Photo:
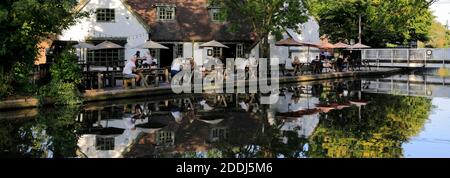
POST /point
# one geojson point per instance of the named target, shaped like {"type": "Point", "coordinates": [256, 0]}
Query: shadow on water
{"type": "Point", "coordinates": [332, 119]}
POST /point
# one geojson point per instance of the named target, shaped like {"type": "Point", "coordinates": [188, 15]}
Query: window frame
{"type": "Point", "coordinates": [213, 12]}
{"type": "Point", "coordinates": [105, 143]}
{"type": "Point", "coordinates": [105, 57]}
{"type": "Point", "coordinates": [178, 50]}
{"type": "Point", "coordinates": [240, 50]}
{"type": "Point", "coordinates": [105, 15]}
{"type": "Point", "coordinates": [165, 16]}
{"type": "Point", "coordinates": [217, 52]}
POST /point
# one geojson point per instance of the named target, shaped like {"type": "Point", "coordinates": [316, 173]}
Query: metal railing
{"type": "Point", "coordinates": [408, 85]}
{"type": "Point", "coordinates": [420, 57]}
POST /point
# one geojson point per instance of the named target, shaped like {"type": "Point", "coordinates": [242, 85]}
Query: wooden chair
{"type": "Point", "coordinates": [128, 81]}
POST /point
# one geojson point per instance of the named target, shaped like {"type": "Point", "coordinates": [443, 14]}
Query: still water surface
{"type": "Point", "coordinates": [387, 117]}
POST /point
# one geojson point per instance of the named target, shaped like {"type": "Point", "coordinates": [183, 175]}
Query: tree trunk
{"type": "Point", "coordinates": [264, 48]}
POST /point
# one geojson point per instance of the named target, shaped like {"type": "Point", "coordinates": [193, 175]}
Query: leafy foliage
{"type": "Point", "coordinates": [66, 69]}
{"type": "Point", "coordinates": [383, 21]}
{"type": "Point", "coordinates": [24, 23]}
{"type": "Point", "coordinates": [66, 76]}
{"type": "Point", "coordinates": [264, 16]}
{"type": "Point", "coordinates": [5, 85]}
{"type": "Point", "coordinates": [51, 134]}
{"type": "Point", "coordinates": [385, 124]}
{"type": "Point", "coordinates": [439, 36]}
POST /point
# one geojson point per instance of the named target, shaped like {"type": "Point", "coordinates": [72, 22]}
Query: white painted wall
{"type": "Point", "coordinates": [187, 50]}
{"type": "Point", "coordinates": [255, 51]}
{"type": "Point", "coordinates": [198, 54]}
{"type": "Point", "coordinates": [309, 33]}
{"type": "Point", "coordinates": [125, 25]}
{"type": "Point", "coordinates": [87, 143]}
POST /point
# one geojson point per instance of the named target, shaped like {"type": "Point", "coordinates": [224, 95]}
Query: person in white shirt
{"type": "Point", "coordinates": [177, 114]}
{"type": "Point", "coordinates": [130, 123]}
{"type": "Point", "coordinates": [241, 63]}
{"type": "Point", "coordinates": [241, 66]}
{"type": "Point", "coordinates": [149, 61]}
{"type": "Point", "coordinates": [282, 65]}
{"type": "Point", "coordinates": [253, 66]}
{"type": "Point", "coordinates": [176, 67]}
{"type": "Point", "coordinates": [206, 106]}
{"type": "Point", "coordinates": [129, 71]}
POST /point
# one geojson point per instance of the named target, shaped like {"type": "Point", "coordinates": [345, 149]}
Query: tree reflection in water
{"type": "Point", "coordinates": [387, 122]}
{"type": "Point", "coordinates": [50, 135]}
{"type": "Point", "coordinates": [376, 131]}
{"type": "Point", "coordinates": [236, 126]}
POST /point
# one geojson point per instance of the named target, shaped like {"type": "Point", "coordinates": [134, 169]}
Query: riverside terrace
{"type": "Point", "coordinates": [164, 88]}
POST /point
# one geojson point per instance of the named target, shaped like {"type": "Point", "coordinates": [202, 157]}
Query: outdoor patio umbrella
{"type": "Point", "coordinates": [309, 45]}
{"type": "Point", "coordinates": [151, 45]}
{"type": "Point", "coordinates": [288, 43]}
{"type": "Point", "coordinates": [212, 121]}
{"type": "Point", "coordinates": [291, 42]}
{"type": "Point", "coordinates": [83, 45]}
{"type": "Point", "coordinates": [214, 43]}
{"type": "Point", "coordinates": [150, 127]}
{"type": "Point", "coordinates": [327, 45]}
{"type": "Point", "coordinates": [83, 48]}
{"type": "Point", "coordinates": [107, 45]}
{"type": "Point", "coordinates": [341, 45]}
{"type": "Point", "coordinates": [108, 131]}
{"type": "Point", "coordinates": [358, 46]}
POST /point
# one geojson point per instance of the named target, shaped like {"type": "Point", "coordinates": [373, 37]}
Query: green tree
{"type": "Point", "coordinates": [383, 21]}
{"type": "Point", "coordinates": [439, 36]}
{"type": "Point", "coordinates": [265, 17]}
{"type": "Point", "coordinates": [24, 23]}
{"type": "Point", "coordinates": [385, 124]}
{"type": "Point", "coordinates": [50, 134]}
{"type": "Point", "coordinates": [66, 77]}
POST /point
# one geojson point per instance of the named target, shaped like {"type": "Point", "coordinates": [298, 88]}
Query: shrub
{"type": "Point", "coordinates": [66, 76]}
{"type": "Point", "coordinates": [60, 93]}
{"type": "Point", "coordinates": [66, 69]}
{"type": "Point", "coordinates": [6, 88]}
{"type": "Point", "coordinates": [21, 81]}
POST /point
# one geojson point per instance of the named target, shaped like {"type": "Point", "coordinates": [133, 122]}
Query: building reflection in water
{"type": "Point", "coordinates": [178, 126]}
{"type": "Point", "coordinates": [309, 120]}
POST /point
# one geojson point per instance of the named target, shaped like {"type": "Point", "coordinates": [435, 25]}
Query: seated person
{"type": "Point", "coordinates": [296, 64]}
{"type": "Point", "coordinates": [253, 67]}
{"type": "Point", "coordinates": [339, 64]}
{"type": "Point", "coordinates": [149, 61]}
{"type": "Point", "coordinates": [241, 66]}
{"type": "Point", "coordinates": [241, 63]}
{"type": "Point", "coordinates": [317, 65]}
{"type": "Point", "coordinates": [327, 64]}
{"type": "Point", "coordinates": [282, 66]}
{"type": "Point", "coordinates": [175, 67]}
{"type": "Point", "coordinates": [192, 63]}
{"type": "Point", "coordinates": [130, 71]}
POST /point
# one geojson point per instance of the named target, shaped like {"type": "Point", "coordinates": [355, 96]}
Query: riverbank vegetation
{"type": "Point", "coordinates": [24, 24]}
{"type": "Point", "coordinates": [384, 22]}
{"type": "Point", "coordinates": [49, 135]}
{"type": "Point", "coordinates": [439, 36]}
{"type": "Point", "coordinates": [66, 76]}
{"type": "Point", "coordinates": [265, 18]}
{"type": "Point", "coordinates": [379, 131]}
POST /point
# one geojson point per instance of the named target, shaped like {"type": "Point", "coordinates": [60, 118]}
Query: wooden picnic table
{"type": "Point", "coordinates": [153, 73]}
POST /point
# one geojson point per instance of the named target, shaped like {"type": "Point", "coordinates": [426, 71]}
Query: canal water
{"type": "Point", "coordinates": [396, 116]}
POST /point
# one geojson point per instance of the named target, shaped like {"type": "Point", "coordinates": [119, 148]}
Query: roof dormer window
{"type": "Point", "coordinates": [165, 12]}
